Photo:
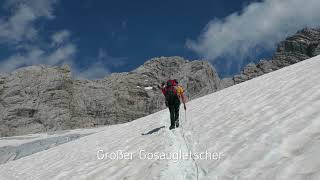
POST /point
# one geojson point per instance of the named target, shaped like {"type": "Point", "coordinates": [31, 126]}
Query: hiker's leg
{"type": "Point", "coordinates": [172, 116]}
{"type": "Point", "coordinates": [176, 113]}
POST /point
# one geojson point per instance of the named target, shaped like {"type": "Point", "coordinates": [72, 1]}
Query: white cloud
{"type": "Point", "coordinates": [36, 55]}
{"type": "Point", "coordinates": [19, 32]}
{"type": "Point", "coordinates": [101, 66]}
{"type": "Point", "coordinates": [259, 25]}
{"type": "Point", "coordinates": [62, 54]}
{"type": "Point", "coordinates": [60, 37]}
{"type": "Point", "coordinates": [19, 26]}
{"type": "Point", "coordinates": [104, 56]}
{"type": "Point", "coordinates": [40, 8]}
{"type": "Point", "coordinates": [96, 70]}
{"type": "Point", "coordinates": [124, 24]}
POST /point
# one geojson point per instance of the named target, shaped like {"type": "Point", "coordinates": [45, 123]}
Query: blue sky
{"type": "Point", "coordinates": [100, 37]}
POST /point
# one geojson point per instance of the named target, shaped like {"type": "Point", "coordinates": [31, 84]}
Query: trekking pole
{"type": "Point", "coordinates": [180, 117]}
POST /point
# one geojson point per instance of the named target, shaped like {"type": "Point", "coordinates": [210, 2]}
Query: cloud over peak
{"type": "Point", "coordinates": [259, 25]}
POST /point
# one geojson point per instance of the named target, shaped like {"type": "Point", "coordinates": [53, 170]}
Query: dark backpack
{"type": "Point", "coordinates": [172, 82]}
{"type": "Point", "coordinates": [171, 95]}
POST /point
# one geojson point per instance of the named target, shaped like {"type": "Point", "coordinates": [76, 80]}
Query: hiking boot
{"type": "Point", "coordinates": [171, 127]}
{"type": "Point", "coordinates": [177, 123]}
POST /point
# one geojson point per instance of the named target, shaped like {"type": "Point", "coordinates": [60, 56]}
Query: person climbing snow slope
{"type": "Point", "coordinates": [173, 93]}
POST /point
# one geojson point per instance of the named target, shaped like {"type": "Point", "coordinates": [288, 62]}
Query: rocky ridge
{"type": "Point", "coordinates": [41, 98]}
{"type": "Point", "coordinates": [301, 46]}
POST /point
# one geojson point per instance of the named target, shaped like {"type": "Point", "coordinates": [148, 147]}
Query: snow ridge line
{"type": "Point", "coordinates": [189, 149]}
{"type": "Point", "coordinates": [179, 168]}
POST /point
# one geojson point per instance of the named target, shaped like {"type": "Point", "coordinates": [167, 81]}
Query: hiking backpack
{"type": "Point", "coordinates": [171, 93]}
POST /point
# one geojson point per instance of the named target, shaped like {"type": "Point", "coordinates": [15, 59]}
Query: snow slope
{"type": "Point", "coordinates": [265, 128]}
{"type": "Point", "coordinates": [16, 147]}
{"type": "Point", "coordinates": [23, 139]}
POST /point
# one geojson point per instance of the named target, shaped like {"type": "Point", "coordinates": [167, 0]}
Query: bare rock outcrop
{"type": "Point", "coordinates": [41, 98]}
{"type": "Point", "coordinates": [35, 99]}
{"type": "Point", "coordinates": [122, 97]}
{"type": "Point", "coordinates": [301, 46]}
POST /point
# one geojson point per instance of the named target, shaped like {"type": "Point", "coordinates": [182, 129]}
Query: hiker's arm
{"type": "Point", "coordinates": [163, 91]}
{"type": "Point", "coordinates": [183, 98]}
{"type": "Point", "coordinates": [162, 88]}
{"type": "Point", "coordinates": [184, 102]}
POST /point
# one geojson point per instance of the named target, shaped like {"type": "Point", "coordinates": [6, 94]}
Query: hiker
{"type": "Point", "coordinates": [173, 93]}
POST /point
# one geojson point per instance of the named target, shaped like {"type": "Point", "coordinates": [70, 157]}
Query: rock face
{"type": "Point", "coordinates": [40, 98]}
{"type": "Point", "coordinates": [35, 99]}
{"type": "Point", "coordinates": [122, 97]}
{"type": "Point", "coordinates": [301, 46]}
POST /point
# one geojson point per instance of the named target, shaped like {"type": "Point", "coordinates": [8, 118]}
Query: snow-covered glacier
{"type": "Point", "coordinates": [267, 128]}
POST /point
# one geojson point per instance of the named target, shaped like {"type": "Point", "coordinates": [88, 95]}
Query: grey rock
{"type": "Point", "coordinates": [297, 48]}
{"type": "Point", "coordinates": [266, 66]}
{"type": "Point", "coordinates": [43, 99]}
{"type": "Point", "coordinates": [301, 46]}
{"type": "Point", "coordinates": [316, 50]}
{"type": "Point", "coordinates": [123, 97]}
{"type": "Point", "coordinates": [226, 82]}
{"type": "Point", "coordinates": [35, 99]}
{"type": "Point", "coordinates": [249, 72]}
